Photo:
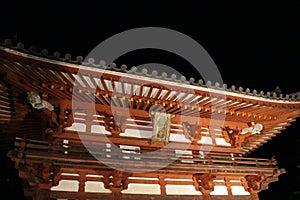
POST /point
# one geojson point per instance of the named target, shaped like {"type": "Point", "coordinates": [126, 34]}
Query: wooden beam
{"type": "Point", "coordinates": [143, 142]}
{"type": "Point", "coordinates": [106, 196]}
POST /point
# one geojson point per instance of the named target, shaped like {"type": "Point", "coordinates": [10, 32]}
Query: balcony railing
{"type": "Point", "coordinates": [103, 151]}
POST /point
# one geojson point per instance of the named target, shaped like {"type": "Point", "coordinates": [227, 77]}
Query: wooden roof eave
{"type": "Point", "coordinates": [181, 86]}
{"type": "Point", "coordinates": [261, 104]}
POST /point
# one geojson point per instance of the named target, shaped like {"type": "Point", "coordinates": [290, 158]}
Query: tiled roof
{"type": "Point", "coordinates": [90, 62]}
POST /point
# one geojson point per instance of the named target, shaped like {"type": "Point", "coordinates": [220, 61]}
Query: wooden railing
{"type": "Point", "coordinates": [109, 151]}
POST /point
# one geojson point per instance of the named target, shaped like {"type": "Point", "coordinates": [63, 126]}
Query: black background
{"type": "Point", "coordinates": [255, 45]}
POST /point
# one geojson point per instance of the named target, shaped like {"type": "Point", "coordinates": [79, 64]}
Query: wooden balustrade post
{"type": "Point", "coordinates": [206, 195]}
{"type": "Point", "coordinates": [118, 183]}
{"type": "Point", "coordinates": [162, 185]}
{"type": "Point", "coordinates": [254, 194]}
{"type": "Point", "coordinates": [228, 186]}
{"type": "Point", "coordinates": [61, 117]}
{"type": "Point", "coordinates": [82, 180]}
{"type": "Point", "coordinates": [22, 148]}
{"type": "Point", "coordinates": [89, 121]}
{"type": "Point", "coordinates": [116, 193]}
{"type": "Point", "coordinates": [204, 183]}
{"type": "Point", "coordinates": [252, 184]}
{"type": "Point", "coordinates": [41, 194]}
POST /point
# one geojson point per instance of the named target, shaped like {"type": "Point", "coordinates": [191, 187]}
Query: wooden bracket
{"type": "Point", "coordinates": [192, 132]}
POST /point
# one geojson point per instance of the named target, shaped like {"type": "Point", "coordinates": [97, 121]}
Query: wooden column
{"type": "Point", "coordinates": [61, 117]}
{"type": "Point", "coordinates": [116, 184]}
{"type": "Point", "coordinates": [70, 118]}
{"type": "Point", "coordinates": [212, 134]}
{"type": "Point", "coordinates": [252, 184]}
{"type": "Point", "coordinates": [116, 193]}
{"type": "Point", "coordinates": [42, 191]}
{"type": "Point", "coordinates": [206, 194]}
{"type": "Point", "coordinates": [82, 180]}
{"type": "Point", "coordinates": [41, 177]}
{"type": "Point", "coordinates": [41, 194]}
{"type": "Point", "coordinates": [65, 116]}
{"type": "Point", "coordinates": [254, 194]}
{"type": "Point", "coordinates": [115, 123]}
{"type": "Point", "coordinates": [228, 186]}
{"type": "Point", "coordinates": [204, 183]}
{"type": "Point", "coordinates": [162, 184]}
{"type": "Point", "coordinates": [89, 120]}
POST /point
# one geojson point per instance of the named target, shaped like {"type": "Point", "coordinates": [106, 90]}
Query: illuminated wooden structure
{"type": "Point", "coordinates": [207, 134]}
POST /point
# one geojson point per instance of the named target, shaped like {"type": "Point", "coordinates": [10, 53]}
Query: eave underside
{"type": "Point", "coordinates": [87, 90]}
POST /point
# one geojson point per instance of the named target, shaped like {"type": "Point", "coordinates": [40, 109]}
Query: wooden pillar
{"type": "Point", "coordinates": [212, 134]}
{"type": "Point", "coordinates": [82, 180]}
{"type": "Point", "coordinates": [61, 117]}
{"type": "Point", "coordinates": [118, 183]}
{"type": "Point", "coordinates": [89, 120]}
{"type": "Point", "coordinates": [254, 194]}
{"type": "Point", "coordinates": [228, 186]}
{"type": "Point", "coordinates": [21, 149]}
{"type": "Point", "coordinates": [204, 183]}
{"type": "Point", "coordinates": [116, 193]}
{"type": "Point", "coordinates": [118, 123]}
{"type": "Point", "coordinates": [41, 194]}
{"type": "Point", "coordinates": [206, 194]}
{"type": "Point", "coordinates": [115, 123]}
{"type": "Point", "coordinates": [162, 185]}
{"type": "Point", "coordinates": [252, 184]}
{"type": "Point", "coordinates": [70, 118]}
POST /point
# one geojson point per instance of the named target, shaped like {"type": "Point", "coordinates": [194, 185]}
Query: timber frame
{"type": "Point", "coordinates": [121, 99]}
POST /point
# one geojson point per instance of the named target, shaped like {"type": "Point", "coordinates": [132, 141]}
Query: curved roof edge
{"type": "Point", "coordinates": [275, 94]}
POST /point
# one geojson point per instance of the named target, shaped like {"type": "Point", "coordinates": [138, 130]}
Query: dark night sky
{"type": "Point", "coordinates": [254, 45]}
